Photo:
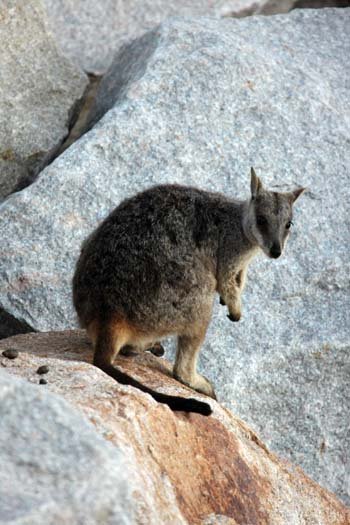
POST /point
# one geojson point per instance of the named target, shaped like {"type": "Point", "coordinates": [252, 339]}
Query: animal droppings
{"type": "Point", "coordinates": [10, 353]}
{"type": "Point", "coordinates": [42, 369]}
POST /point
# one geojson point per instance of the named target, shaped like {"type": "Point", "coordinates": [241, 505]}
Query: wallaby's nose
{"type": "Point", "coordinates": [275, 250]}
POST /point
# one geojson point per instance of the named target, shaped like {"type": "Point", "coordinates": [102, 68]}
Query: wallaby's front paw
{"type": "Point", "coordinates": [234, 317]}
{"type": "Point", "coordinates": [234, 310]}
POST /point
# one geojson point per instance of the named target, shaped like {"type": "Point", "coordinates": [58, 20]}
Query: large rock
{"type": "Point", "coordinates": [90, 32]}
{"type": "Point", "coordinates": [39, 93]}
{"type": "Point", "coordinates": [55, 469]}
{"type": "Point", "coordinates": [181, 468]}
{"type": "Point", "coordinates": [210, 99]}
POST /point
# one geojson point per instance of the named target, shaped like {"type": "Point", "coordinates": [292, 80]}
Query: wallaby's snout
{"type": "Point", "coordinates": [276, 250]}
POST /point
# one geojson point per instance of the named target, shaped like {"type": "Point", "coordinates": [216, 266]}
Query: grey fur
{"type": "Point", "coordinates": [153, 266]}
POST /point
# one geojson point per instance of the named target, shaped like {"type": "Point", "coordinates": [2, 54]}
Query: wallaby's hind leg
{"type": "Point", "coordinates": [107, 338]}
{"type": "Point", "coordinates": [185, 368]}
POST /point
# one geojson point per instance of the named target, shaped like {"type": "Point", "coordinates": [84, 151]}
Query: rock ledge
{"type": "Point", "coordinates": [173, 467]}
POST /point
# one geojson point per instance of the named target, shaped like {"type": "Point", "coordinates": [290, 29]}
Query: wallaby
{"type": "Point", "coordinates": [152, 267]}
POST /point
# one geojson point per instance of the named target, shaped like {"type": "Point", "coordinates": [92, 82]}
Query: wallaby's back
{"type": "Point", "coordinates": [148, 258]}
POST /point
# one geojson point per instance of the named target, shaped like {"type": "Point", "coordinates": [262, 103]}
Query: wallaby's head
{"type": "Point", "coordinates": [269, 218]}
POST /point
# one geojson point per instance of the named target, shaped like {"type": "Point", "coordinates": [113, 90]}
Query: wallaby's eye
{"type": "Point", "coordinates": [289, 224]}
{"type": "Point", "coordinates": [261, 220]}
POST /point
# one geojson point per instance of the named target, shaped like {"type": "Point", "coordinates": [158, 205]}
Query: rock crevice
{"type": "Point", "coordinates": [40, 94]}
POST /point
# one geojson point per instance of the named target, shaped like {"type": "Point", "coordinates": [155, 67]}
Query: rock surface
{"type": "Point", "coordinates": [180, 468]}
{"type": "Point", "coordinates": [90, 33]}
{"type": "Point", "coordinates": [39, 93]}
{"type": "Point", "coordinates": [206, 103]}
{"type": "Point", "coordinates": [55, 469]}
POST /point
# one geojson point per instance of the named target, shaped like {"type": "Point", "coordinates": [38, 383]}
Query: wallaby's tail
{"type": "Point", "coordinates": [107, 341]}
{"type": "Point", "coordinates": [175, 403]}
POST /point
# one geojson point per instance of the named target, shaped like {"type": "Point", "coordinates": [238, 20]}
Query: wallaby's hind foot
{"type": "Point", "coordinates": [202, 385]}
{"type": "Point", "coordinates": [199, 383]}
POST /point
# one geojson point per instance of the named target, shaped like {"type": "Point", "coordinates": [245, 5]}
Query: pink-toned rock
{"type": "Point", "coordinates": [185, 468]}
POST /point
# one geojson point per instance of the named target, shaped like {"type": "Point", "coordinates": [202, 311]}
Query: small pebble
{"type": "Point", "coordinates": [10, 353]}
{"type": "Point", "coordinates": [157, 350]}
{"type": "Point", "coordinates": [42, 369]}
{"type": "Point", "coordinates": [42, 381]}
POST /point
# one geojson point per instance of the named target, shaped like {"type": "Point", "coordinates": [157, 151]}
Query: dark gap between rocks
{"type": "Point", "coordinates": [79, 127]}
{"type": "Point", "coordinates": [275, 9]}
{"type": "Point", "coordinates": [9, 325]}
{"type": "Point", "coordinates": [316, 4]}
{"type": "Point", "coordinates": [77, 124]}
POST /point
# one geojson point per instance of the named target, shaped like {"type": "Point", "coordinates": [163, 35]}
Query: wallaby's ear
{"type": "Point", "coordinates": [255, 184]}
{"type": "Point", "coordinates": [293, 195]}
